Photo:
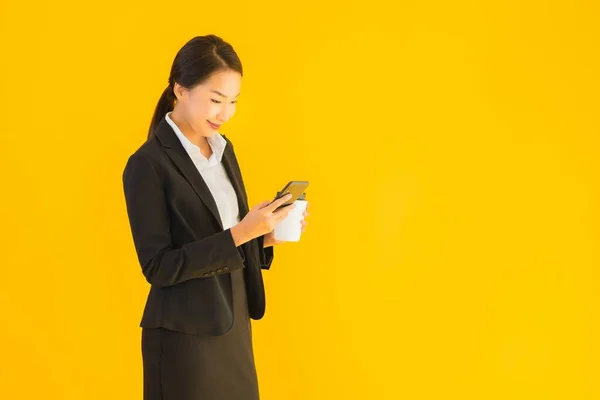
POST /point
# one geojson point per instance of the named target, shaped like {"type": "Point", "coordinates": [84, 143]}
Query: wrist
{"type": "Point", "coordinates": [239, 235]}
{"type": "Point", "coordinates": [267, 241]}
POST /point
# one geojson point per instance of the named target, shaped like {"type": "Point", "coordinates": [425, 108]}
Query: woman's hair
{"type": "Point", "coordinates": [195, 62]}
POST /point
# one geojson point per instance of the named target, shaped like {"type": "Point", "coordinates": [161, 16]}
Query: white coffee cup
{"type": "Point", "coordinates": [290, 229]}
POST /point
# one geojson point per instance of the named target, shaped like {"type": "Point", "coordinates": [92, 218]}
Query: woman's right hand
{"type": "Point", "coordinates": [260, 220]}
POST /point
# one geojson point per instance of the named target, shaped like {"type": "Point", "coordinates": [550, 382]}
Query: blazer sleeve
{"type": "Point", "coordinates": [162, 264]}
{"type": "Point", "coordinates": [265, 254]}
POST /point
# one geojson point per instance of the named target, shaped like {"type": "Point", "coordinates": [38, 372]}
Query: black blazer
{"type": "Point", "coordinates": [184, 252]}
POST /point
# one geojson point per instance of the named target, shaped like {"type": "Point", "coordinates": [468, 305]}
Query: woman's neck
{"type": "Point", "coordinates": [188, 132]}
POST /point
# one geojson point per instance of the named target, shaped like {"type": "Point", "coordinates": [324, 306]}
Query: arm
{"type": "Point", "coordinates": [163, 265]}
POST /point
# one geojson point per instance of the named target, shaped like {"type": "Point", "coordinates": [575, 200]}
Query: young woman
{"type": "Point", "coordinates": [199, 245]}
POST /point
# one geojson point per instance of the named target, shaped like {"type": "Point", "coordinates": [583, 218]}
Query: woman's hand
{"type": "Point", "coordinates": [270, 237]}
{"type": "Point", "coordinates": [260, 220]}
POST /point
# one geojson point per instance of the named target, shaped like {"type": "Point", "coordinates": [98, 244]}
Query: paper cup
{"type": "Point", "coordinates": [290, 229]}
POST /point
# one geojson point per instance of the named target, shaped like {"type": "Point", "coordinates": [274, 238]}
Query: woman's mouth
{"type": "Point", "coordinates": [215, 127]}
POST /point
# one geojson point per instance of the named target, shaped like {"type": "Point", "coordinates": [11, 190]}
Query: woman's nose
{"type": "Point", "coordinates": [225, 115]}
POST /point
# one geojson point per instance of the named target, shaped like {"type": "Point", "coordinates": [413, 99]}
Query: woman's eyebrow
{"type": "Point", "coordinates": [221, 94]}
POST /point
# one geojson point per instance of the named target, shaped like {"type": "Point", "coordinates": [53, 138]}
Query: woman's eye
{"type": "Point", "coordinates": [218, 102]}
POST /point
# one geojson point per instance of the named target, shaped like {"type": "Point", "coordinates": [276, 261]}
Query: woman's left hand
{"type": "Point", "coordinates": [270, 237]}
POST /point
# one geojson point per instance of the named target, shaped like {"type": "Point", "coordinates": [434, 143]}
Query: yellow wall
{"type": "Point", "coordinates": [453, 154]}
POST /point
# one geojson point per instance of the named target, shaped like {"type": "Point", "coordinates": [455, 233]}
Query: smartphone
{"type": "Point", "coordinates": [296, 188]}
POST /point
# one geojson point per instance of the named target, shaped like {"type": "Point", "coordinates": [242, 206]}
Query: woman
{"type": "Point", "coordinates": [199, 246]}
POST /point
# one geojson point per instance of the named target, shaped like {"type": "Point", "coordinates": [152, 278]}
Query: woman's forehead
{"type": "Point", "coordinates": [224, 84]}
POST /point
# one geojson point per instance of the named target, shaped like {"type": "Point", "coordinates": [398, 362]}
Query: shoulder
{"type": "Point", "coordinates": [149, 155]}
{"type": "Point", "coordinates": [150, 148]}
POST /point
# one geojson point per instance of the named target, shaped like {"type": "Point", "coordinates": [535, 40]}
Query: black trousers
{"type": "Point", "coordinates": [180, 366]}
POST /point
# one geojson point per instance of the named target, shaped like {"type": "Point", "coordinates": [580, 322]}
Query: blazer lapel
{"type": "Point", "coordinates": [250, 248]}
{"type": "Point", "coordinates": [235, 177]}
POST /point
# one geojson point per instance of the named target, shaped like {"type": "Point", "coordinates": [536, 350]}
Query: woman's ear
{"type": "Point", "coordinates": [179, 91]}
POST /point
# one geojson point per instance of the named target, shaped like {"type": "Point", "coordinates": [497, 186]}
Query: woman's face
{"type": "Point", "coordinates": [209, 105]}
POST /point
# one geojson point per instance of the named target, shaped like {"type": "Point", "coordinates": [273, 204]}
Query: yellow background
{"type": "Point", "coordinates": [453, 154]}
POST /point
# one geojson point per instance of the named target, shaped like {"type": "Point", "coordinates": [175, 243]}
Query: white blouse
{"type": "Point", "coordinates": [214, 174]}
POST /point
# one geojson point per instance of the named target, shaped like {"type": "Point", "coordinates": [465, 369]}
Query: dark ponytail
{"type": "Point", "coordinates": [195, 62]}
{"type": "Point", "coordinates": [165, 104]}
